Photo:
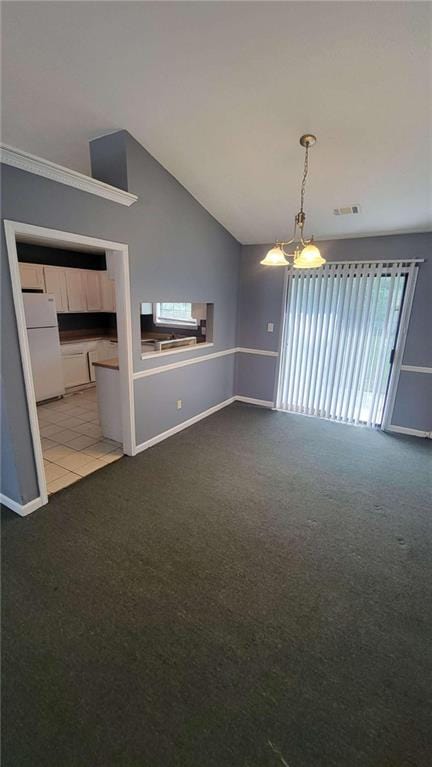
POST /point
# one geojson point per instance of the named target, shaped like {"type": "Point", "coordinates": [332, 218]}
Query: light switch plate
{"type": "Point", "coordinates": [179, 404]}
{"type": "Point", "coordinates": [270, 327]}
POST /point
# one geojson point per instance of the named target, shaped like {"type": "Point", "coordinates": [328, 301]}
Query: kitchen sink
{"type": "Point", "coordinates": [157, 345]}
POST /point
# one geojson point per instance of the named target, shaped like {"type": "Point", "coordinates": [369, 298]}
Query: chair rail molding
{"type": "Point", "coordinates": [262, 352]}
{"type": "Point", "coordinates": [194, 360]}
{"type": "Point", "coordinates": [415, 369]}
{"type": "Point", "coordinates": [17, 158]}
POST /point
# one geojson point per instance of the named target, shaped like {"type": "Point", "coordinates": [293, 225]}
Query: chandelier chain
{"type": "Point", "coordinates": [305, 175]}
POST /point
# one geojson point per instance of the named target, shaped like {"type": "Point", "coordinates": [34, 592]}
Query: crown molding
{"type": "Point", "coordinates": [17, 158]}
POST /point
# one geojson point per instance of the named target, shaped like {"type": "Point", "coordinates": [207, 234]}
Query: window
{"type": "Point", "coordinates": [174, 314]}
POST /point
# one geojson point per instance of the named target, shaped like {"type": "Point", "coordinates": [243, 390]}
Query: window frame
{"type": "Point", "coordinates": [174, 322]}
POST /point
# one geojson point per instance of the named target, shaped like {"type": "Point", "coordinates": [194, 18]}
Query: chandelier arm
{"type": "Point", "coordinates": [286, 254]}
{"type": "Point", "coordinates": [288, 242]}
{"type": "Point", "coordinates": [293, 238]}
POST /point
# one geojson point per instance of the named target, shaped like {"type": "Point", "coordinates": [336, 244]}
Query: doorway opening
{"type": "Point", "coordinates": [58, 303]}
{"type": "Point", "coordinates": [342, 343]}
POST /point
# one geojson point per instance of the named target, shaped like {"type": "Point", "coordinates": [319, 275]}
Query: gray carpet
{"type": "Point", "coordinates": [253, 592]}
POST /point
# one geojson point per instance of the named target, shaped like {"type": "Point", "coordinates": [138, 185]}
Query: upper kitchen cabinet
{"type": "Point", "coordinates": [92, 288]}
{"type": "Point", "coordinates": [74, 289]}
{"type": "Point", "coordinates": [55, 283]}
{"type": "Point", "coordinates": [32, 276]}
{"type": "Point", "coordinates": [108, 292]}
{"type": "Point", "coordinates": [76, 294]}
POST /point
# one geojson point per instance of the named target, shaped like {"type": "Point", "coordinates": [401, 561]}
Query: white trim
{"type": "Point", "coordinates": [11, 230]}
{"type": "Point", "coordinates": [358, 236]}
{"type": "Point", "coordinates": [252, 401]}
{"type": "Point", "coordinates": [17, 158]}
{"type": "Point", "coordinates": [172, 323]}
{"type": "Point", "coordinates": [399, 349]}
{"type": "Point", "coordinates": [193, 361]}
{"type": "Point", "coordinates": [193, 347]}
{"type": "Point", "coordinates": [263, 352]}
{"type": "Point", "coordinates": [118, 268]}
{"type": "Point", "coordinates": [184, 425]}
{"type": "Point", "coordinates": [281, 339]}
{"type": "Point", "coordinates": [14, 229]}
{"type": "Point", "coordinates": [44, 235]}
{"type": "Point", "coordinates": [411, 432]}
{"type": "Point", "coordinates": [383, 261]}
{"type": "Point", "coordinates": [415, 369]}
{"type": "Point", "coordinates": [19, 508]}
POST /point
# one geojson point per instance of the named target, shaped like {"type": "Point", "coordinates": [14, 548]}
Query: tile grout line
{"type": "Point", "coordinates": [64, 423]}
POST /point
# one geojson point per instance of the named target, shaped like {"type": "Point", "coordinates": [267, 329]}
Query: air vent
{"type": "Point", "coordinates": [348, 210]}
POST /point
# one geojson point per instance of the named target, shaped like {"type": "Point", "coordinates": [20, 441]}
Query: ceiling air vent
{"type": "Point", "coordinates": [348, 210]}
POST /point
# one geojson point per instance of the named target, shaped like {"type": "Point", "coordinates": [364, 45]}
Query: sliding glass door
{"type": "Point", "coordinates": [339, 337]}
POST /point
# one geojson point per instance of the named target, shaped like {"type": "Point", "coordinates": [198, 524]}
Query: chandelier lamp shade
{"type": "Point", "coordinates": [305, 253]}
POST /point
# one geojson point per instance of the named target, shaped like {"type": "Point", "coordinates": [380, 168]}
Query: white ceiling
{"type": "Point", "coordinates": [219, 93]}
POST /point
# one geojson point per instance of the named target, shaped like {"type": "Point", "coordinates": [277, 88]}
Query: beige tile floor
{"type": "Point", "coordinates": [72, 441]}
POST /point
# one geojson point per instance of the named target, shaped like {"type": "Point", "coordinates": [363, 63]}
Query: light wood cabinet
{"type": "Point", "coordinates": [75, 368]}
{"type": "Point", "coordinates": [92, 287]}
{"type": "Point", "coordinates": [108, 292]}
{"type": "Point", "coordinates": [55, 283]}
{"type": "Point", "coordinates": [32, 276]}
{"type": "Point", "coordinates": [75, 286]}
{"type": "Point", "coordinates": [75, 290]}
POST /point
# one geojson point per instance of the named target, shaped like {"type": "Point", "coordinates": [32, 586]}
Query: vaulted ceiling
{"type": "Point", "coordinates": [219, 93]}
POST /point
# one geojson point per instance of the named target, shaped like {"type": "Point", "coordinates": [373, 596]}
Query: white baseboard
{"type": "Point", "coordinates": [252, 401]}
{"type": "Point", "coordinates": [184, 425]}
{"type": "Point", "coordinates": [175, 429]}
{"type": "Point", "coordinates": [411, 432]}
{"type": "Point", "coordinates": [21, 509]}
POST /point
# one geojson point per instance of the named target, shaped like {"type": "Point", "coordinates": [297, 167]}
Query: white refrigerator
{"type": "Point", "coordinates": [44, 343]}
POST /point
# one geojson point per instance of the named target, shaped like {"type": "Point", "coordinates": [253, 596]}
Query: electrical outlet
{"type": "Point", "coordinates": [179, 404]}
{"type": "Point", "coordinates": [270, 327]}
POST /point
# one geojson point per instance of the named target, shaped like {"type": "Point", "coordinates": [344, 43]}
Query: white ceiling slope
{"type": "Point", "coordinates": [219, 93]}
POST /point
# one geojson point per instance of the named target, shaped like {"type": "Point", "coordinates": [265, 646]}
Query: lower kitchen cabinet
{"type": "Point", "coordinates": [78, 358]}
{"type": "Point", "coordinates": [75, 368]}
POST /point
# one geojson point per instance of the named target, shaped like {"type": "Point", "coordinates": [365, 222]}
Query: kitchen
{"type": "Point", "coordinates": [70, 307]}
{"type": "Point", "coordinates": [166, 328]}
{"type": "Point", "coordinates": [69, 304]}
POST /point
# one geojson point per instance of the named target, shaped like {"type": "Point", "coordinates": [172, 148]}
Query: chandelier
{"type": "Point", "coordinates": [306, 254]}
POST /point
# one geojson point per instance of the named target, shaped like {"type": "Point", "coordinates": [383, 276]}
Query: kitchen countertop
{"type": "Point", "coordinates": [112, 364]}
{"type": "Point", "coordinates": [75, 336]}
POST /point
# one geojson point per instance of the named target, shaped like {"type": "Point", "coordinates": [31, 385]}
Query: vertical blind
{"type": "Point", "coordinates": [340, 328]}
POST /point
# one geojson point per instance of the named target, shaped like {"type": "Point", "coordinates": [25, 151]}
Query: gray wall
{"type": "Point", "coordinates": [260, 300]}
{"type": "Point", "coordinates": [177, 250]}
{"type": "Point", "coordinates": [108, 159]}
{"type": "Point", "coordinates": [208, 383]}
{"type": "Point", "coordinates": [9, 479]}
